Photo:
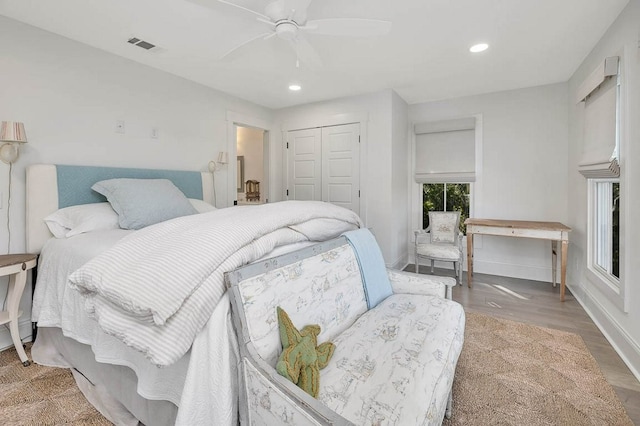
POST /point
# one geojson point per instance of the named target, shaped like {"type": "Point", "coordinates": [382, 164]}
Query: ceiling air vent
{"type": "Point", "coordinates": [141, 43]}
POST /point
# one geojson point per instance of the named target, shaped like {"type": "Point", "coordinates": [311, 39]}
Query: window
{"type": "Point", "coordinates": [600, 100]}
{"type": "Point", "coordinates": [446, 197]}
{"type": "Point", "coordinates": [605, 229]}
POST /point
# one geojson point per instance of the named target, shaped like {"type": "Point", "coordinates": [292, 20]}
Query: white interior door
{"type": "Point", "coordinates": [341, 166]}
{"type": "Point", "coordinates": [305, 165]}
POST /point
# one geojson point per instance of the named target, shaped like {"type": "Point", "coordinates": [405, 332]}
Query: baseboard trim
{"type": "Point", "coordinates": [526, 272]}
{"type": "Point", "coordinates": [24, 327]}
{"type": "Point", "coordinates": [619, 339]}
{"type": "Point", "coordinates": [400, 263]}
{"type": "Point", "coordinates": [512, 270]}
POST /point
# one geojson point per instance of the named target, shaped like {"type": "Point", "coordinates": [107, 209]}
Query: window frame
{"type": "Point", "coordinates": [600, 217]}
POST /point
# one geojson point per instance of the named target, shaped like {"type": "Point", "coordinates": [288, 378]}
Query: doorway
{"type": "Point", "coordinates": [252, 172]}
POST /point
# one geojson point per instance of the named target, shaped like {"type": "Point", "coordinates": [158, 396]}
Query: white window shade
{"type": "Point", "coordinates": [445, 151]}
{"type": "Point", "coordinates": [600, 156]}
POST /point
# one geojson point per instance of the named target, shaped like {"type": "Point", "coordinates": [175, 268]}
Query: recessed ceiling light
{"type": "Point", "coordinates": [294, 87]}
{"type": "Point", "coordinates": [477, 48]}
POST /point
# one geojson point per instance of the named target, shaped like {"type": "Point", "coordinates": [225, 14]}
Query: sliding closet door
{"type": "Point", "coordinates": [305, 165]}
{"type": "Point", "coordinates": [341, 166]}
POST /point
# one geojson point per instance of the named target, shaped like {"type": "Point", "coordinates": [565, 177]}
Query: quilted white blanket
{"type": "Point", "coordinates": [156, 288]}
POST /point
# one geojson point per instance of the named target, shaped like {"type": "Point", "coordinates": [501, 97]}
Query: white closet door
{"type": "Point", "coordinates": [305, 165]}
{"type": "Point", "coordinates": [341, 166]}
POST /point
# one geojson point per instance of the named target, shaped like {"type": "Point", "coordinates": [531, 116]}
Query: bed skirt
{"type": "Point", "coordinates": [109, 388]}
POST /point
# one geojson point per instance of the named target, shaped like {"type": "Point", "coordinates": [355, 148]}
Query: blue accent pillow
{"type": "Point", "coordinates": [143, 202]}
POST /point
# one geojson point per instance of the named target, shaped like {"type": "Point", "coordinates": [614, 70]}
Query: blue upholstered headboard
{"type": "Point", "coordinates": [75, 182]}
{"type": "Point", "coordinates": [52, 187]}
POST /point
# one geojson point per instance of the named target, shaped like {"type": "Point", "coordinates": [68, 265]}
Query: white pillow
{"type": "Point", "coordinates": [201, 206]}
{"type": "Point", "coordinates": [75, 220]}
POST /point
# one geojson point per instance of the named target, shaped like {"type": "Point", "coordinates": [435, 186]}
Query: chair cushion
{"type": "Point", "coordinates": [439, 251]}
{"type": "Point", "coordinates": [395, 365]}
{"type": "Point", "coordinates": [443, 227]}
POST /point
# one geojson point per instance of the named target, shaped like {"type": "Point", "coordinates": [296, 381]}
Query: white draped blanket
{"type": "Point", "coordinates": [157, 288]}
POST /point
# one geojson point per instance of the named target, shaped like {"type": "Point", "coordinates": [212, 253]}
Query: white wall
{"type": "Point", "coordinates": [377, 154]}
{"type": "Point", "coordinates": [250, 144]}
{"type": "Point", "coordinates": [399, 180]}
{"type": "Point", "coordinates": [622, 329]}
{"type": "Point", "coordinates": [70, 96]}
{"type": "Point", "coordinates": [523, 177]}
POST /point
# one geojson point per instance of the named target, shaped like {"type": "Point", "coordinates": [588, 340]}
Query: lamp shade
{"type": "Point", "coordinates": [223, 157]}
{"type": "Point", "coordinates": [12, 131]}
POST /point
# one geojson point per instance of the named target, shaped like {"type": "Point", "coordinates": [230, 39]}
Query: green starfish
{"type": "Point", "coordinates": [301, 358]}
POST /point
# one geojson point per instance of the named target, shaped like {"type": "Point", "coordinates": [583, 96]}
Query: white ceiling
{"type": "Point", "coordinates": [425, 57]}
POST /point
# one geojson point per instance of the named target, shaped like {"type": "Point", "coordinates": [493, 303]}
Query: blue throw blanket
{"type": "Point", "coordinates": [372, 268]}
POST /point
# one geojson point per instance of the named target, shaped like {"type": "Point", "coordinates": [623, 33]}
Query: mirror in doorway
{"type": "Point", "coordinates": [240, 171]}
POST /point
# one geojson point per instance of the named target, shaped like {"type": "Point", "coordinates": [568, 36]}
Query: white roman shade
{"type": "Point", "coordinates": [445, 151]}
{"type": "Point", "coordinates": [599, 98]}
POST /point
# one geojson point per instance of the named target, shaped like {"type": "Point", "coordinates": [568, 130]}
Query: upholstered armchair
{"type": "Point", "coordinates": [442, 240]}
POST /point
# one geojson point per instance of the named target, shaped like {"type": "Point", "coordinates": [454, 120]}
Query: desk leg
{"type": "Point", "coordinates": [469, 258]}
{"type": "Point", "coordinates": [563, 270]}
{"type": "Point", "coordinates": [554, 261]}
{"type": "Point", "coordinates": [16, 287]}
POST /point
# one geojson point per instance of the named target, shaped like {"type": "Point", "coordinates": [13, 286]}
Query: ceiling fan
{"type": "Point", "coordinates": [288, 21]}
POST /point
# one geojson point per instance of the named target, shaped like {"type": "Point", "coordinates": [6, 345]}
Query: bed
{"type": "Point", "coordinates": [155, 383]}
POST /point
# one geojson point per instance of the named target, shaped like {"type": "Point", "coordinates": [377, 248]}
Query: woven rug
{"type": "Point", "coordinates": [38, 395]}
{"type": "Point", "coordinates": [510, 373]}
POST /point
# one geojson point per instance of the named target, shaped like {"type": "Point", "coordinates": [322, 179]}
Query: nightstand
{"type": "Point", "coordinates": [16, 267]}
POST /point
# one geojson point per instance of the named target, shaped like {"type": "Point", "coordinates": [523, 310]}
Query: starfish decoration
{"type": "Point", "coordinates": [302, 359]}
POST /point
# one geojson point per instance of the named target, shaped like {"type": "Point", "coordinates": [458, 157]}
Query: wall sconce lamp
{"type": "Point", "coordinates": [12, 134]}
{"type": "Point", "coordinates": [223, 158]}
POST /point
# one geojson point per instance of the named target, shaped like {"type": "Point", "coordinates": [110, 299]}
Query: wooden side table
{"type": "Point", "coordinates": [16, 267]}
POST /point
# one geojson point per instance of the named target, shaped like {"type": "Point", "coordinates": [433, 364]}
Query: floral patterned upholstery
{"type": "Point", "coordinates": [441, 241]}
{"type": "Point", "coordinates": [444, 226]}
{"type": "Point", "coordinates": [269, 406]}
{"type": "Point", "coordinates": [393, 364]}
{"type": "Point", "coordinates": [333, 298]}
{"type": "Point", "coordinates": [439, 252]}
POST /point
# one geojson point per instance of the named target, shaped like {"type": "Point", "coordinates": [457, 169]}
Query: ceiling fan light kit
{"type": "Point", "coordinates": [288, 21]}
{"type": "Point", "coordinates": [287, 30]}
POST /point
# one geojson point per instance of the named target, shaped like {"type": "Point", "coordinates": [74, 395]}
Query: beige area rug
{"type": "Point", "coordinates": [38, 395]}
{"type": "Point", "coordinates": [511, 373]}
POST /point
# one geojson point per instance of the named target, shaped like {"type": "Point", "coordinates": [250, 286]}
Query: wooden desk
{"type": "Point", "coordinates": [554, 231]}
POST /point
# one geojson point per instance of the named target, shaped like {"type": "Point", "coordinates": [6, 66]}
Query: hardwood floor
{"type": "Point", "coordinates": [538, 303]}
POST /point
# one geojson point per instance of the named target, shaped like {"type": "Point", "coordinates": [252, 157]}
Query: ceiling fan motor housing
{"type": "Point", "coordinates": [286, 30]}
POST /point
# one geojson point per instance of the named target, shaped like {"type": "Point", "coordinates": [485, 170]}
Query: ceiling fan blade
{"type": "Point", "coordinates": [294, 10]}
{"type": "Point", "coordinates": [228, 55]}
{"type": "Point", "coordinates": [305, 52]}
{"type": "Point", "coordinates": [297, 9]}
{"type": "Point", "coordinates": [245, 9]}
{"type": "Point", "coordinates": [352, 27]}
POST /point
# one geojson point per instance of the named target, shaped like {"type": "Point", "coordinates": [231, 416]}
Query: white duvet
{"type": "Point", "coordinates": [156, 288]}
